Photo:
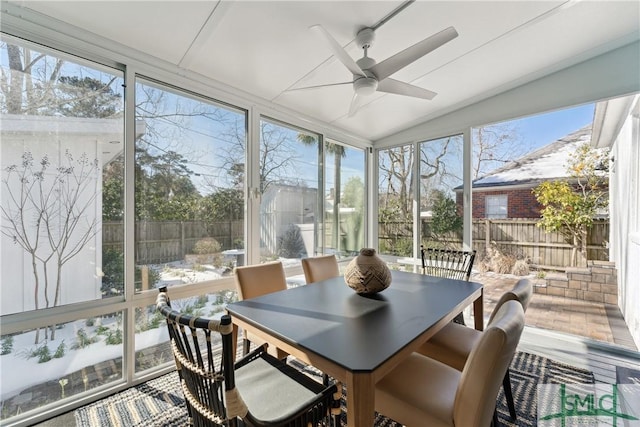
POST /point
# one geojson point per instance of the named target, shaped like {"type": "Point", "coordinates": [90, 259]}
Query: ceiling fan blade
{"type": "Point", "coordinates": [401, 59]}
{"type": "Point", "coordinates": [390, 85]}
{"type": "Point", "coordinates": [338, 51]}
{"type": "Point", "coordinates": [356, 103]}
{"type": "Point", "coordinates": [318, 86]}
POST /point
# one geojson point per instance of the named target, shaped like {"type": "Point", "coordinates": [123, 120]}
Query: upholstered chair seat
{"type": "Point", "coordinates": [453, 343]}
{"type": "Point", "coordinates": [419, 379]}
{"type": "Point", "coordinates": [422, 391]}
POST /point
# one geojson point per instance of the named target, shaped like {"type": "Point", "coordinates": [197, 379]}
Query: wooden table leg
{"type": "Point", "coordinates": [478, 315]}
{"type": "Point", "coordinates": [361, 397]}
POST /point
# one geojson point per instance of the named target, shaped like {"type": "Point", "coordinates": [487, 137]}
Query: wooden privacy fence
{"type": "Point", "coordinates": [523, 238]}
{"type": "Point", "coordinates": [520, 237]}
{"type": "Point", "coordinates": [166, 241]}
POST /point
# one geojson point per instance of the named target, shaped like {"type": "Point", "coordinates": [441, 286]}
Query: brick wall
{"type": "Point", "coordinates": [521, 203]}
{"type": "Point", "coordinates": [597, 282]}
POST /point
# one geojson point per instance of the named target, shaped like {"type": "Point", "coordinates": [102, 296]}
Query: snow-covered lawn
{"type": "Point", "coordinates": [19, 371]}
{"type": "Point", "coordinates": [179, 272]}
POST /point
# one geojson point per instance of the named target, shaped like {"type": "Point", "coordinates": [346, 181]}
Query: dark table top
{"type": "Point", "coordinates": [357, 332]}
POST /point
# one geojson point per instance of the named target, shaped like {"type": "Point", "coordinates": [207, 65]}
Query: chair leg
{"type": "Point", "coordinates": [459, 319]}
{"type": "Point", "coordinates": [245, 346]}
{"type": "Point", "coordinates": [506, 385]}
{"type": "Point", "coordinates": [494, 421]}
{"type": "Point", "coordinates": [325, 379]}
{"type": "Point", "coordinates": [336, 410]}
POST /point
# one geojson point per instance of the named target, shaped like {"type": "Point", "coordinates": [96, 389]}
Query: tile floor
{"type": "Point", "coordinates": [597, 321]}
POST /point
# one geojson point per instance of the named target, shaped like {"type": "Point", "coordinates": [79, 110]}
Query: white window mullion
{"type": "Point", "coordinates": [252, 188]}
{"type": "Point", "coordinates": [128, 360]}
{"type": "Point", "coordinates": [467, 229]}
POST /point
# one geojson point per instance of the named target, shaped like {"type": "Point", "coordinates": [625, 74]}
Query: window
{"type": "Point", "coordinates": [441, 167]}
{"type": "Point", "coordinates": [62, 131]}
{"type": "Point", "coordinates": [190, 156]}
{"type": "Point", "coordinates": [189, 187]}
{"type": "Point", "coordinates": [289, 192]}
{"type": "Point", "coordinates": [496, 206]}
{"type": "Point", "coordinates": [395, 213]}
{"type": "Point", "coordinates": [152, 347]}
{"type": "Point", "coordinates": [344, 209]}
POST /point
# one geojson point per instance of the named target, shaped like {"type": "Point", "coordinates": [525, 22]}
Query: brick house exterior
{"type": "Point", "coordinates": [521, 202]}
{"type": "Point", "coordinates": [507, 191]}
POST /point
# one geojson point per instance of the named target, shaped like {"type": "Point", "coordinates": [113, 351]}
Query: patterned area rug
{"type": "Point", "coordinates": [626, 375]}
{"type": "Point", "coordinates": [159, 402]}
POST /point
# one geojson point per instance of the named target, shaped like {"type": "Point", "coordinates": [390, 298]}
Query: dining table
{"type": "Point", "coordinates": [357, 339]}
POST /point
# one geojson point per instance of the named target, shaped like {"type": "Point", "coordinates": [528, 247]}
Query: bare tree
{"type": "Point", "coordinates": [23, 96]}
{"type": "Point", "coordinates": [396, 172]}
{"type": "Point", "coordinates": [49, 215]}
{"type": "Point", "coordinates": [277, 155]}
{"type": "Point", "coordinates": [440, 167]}
{"type": "Point", "coordinates": [437, 173]}
{"type": "Point", "coordinates": [495, 145]}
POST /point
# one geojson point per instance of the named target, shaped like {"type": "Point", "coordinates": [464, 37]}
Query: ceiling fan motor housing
{"type": "Point", "coordinates": [365, 63]}
{"type": "Point", "coordinates": [367, 84]}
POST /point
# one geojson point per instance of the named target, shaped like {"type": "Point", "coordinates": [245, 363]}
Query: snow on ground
{"type": "Point", "coordinates": [179, 273]}
{"type": "Point", "coordinates": [20, 372]}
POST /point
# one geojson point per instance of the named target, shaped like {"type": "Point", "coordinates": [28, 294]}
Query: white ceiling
{"type": "Point", "coordinates": [265, 47]}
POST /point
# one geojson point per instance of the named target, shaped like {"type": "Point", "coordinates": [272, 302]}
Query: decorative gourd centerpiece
{"type": "Point", "coordinates": [367, 273]}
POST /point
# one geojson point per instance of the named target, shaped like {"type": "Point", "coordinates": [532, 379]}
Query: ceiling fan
{"type": "Point", "coordinates": [369, 76]}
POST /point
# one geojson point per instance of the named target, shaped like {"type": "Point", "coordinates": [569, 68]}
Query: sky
{"type": "Point", "coordinates": [543, 129]}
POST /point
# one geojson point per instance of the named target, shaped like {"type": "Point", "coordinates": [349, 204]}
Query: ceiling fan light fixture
{"type": "Point", "coordinates": [365, 86]}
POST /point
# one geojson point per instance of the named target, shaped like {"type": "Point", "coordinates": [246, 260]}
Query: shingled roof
{"type": "Point", "coordinates": [546, 163]}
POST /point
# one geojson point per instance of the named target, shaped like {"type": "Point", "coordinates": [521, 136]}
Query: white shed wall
{"type": "Point", "coordinates": [80, 276]}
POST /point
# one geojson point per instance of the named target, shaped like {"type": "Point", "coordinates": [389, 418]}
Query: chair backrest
{"type": "Point", "coordinates": [447, 263]}
{"type": "Point", "coordinates": [486, 366]}
{"type": "Point", "coordinates": [320, 268]}
{"type": "Point", "coordinates": [521, 292]}
{"type": "Point", "coordinates": [203, 352]}
{"type": "Point", "coordinates": [260, 279]}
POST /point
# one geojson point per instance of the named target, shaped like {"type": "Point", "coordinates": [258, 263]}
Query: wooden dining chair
{"type": "Point", "coordinates": [447, 263]}
{"type": "Point", "coordinates": [258, 390]}
{"type": "Point", "coordinates": [254, 281]}
{"type": "Point", "coordinates": [422, 391]}
{"type": "Point", "coordinates": [320, 268]}
{"type": "Point", "coordinates": [453, 343]}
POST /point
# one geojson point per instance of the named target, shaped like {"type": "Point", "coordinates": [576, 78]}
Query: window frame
{"type": "Point", "coordinates": [489, 198]}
